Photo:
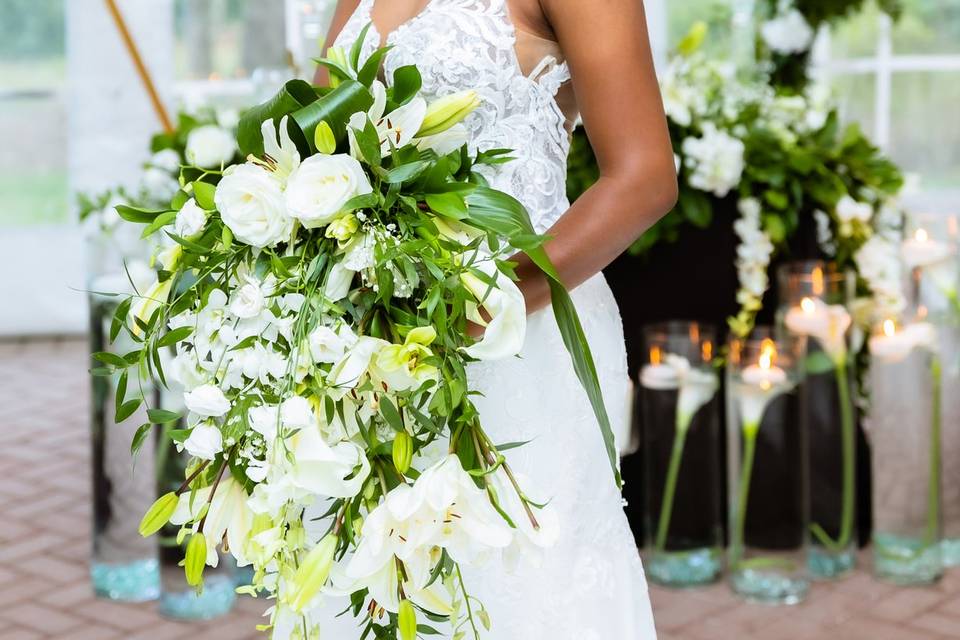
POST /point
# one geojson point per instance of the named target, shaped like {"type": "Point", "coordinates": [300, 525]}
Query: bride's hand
{"type": "Point", "coordinates": [619, 99]}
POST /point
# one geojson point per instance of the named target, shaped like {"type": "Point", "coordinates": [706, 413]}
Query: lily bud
{"type": "Point", "coordinates": [407, 621]}
{"type": "Point", "coordinates": [195, 560]}
{"type": "Point", "coordinates": [402, 452]}
{"type": "Point", "coordinates": [324, 139]}
{"type": "Point", "coordinates": [313, 573]}
{"type": "Point", "coordinates": [448, 111]}
{"type": "Point", "coordinates": [158, 514]}
{"type": "Point", "coordinates": [339, 56]}
{"type": "Point", "coordinates": [151, 300]}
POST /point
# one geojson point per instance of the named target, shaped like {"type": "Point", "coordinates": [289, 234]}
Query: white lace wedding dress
{"type": "Point", "coordinates": [591, 586]}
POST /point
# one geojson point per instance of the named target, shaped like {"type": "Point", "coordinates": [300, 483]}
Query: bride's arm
{"type": "Point", "coordinates": [344, 10]}
{"type": "Point", "coordinates": [606, 45]}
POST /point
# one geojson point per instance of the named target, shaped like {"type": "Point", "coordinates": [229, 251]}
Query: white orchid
{"type": "Point", "coordinates": [498, 298]}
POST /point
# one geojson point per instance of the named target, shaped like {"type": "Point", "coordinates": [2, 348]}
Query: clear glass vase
{"type": "Point", "coordinates": [812, 310]}
{"type": "Point", "coordinates": [681, 435]}
{"type": "Point", "coordinates": [932, 250]}
{"type": "Point", "coordinates": [905, 435]}
{"type": "Point", "coordinates": [123, 565]}
{"type": "Point", "coordinates": [178, 599]}
{"type": "Point", "coordinates": [767, 452]}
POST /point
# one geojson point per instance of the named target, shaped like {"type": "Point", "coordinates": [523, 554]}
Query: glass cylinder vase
{"type": "Point", "coordinates": [767, 452]}
{"type": "Point", "coordinates": [812, 311]}
{"type": "Point", "coordinates": [932, 250]}
{"type": "Point", "coordinates": [178, 599]}
{"type": "Point", "coordinates": [905, 435]}
{"type": "Point", "coordinates": [123, 564]}
{"type": "Point", "coordinates": [681, 435]}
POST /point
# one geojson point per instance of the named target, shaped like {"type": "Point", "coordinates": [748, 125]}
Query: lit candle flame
{"type": "Point", "coordinates": [655, 356]}
{"type": "Point", "coordinates": [706, 350]}
{"type": "Point", "coordinates": [889, 328]}
{"type": "Point", "coordinates": [921, 235]}
{"type": "Point", "coordinates": [808, 306]}
{"type": "Point", "coordinates": [817, 277]}
{"type": "Point", "coordinates": [768, 354]}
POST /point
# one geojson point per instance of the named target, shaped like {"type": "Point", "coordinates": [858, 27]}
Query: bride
{"type": "Point", "coordinates": [537, 65]}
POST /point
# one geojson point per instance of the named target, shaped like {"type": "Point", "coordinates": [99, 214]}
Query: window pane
{"type": "Point", "coordinates": [228, 38]}
{"type": "Point", "coordinates": [856, 94]}
{"type": "Point", "coordinates": [716, 13]}
{"type": "Point", "coordinates": [928, 26]}
{"type": "Point", "coordinates": [33, 176]}
{"type": "Point", "coordinates": [857, 36]}
{"type": "Point", "coordinates": [926, 133]}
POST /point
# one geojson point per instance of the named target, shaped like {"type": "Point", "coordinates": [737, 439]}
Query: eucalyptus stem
{"type": "Point", "coordinates": [670, 488]}
{"type": "Point", "coordinates": [933, 487]}
{"type": "Point", "coordinates": [743, 493]}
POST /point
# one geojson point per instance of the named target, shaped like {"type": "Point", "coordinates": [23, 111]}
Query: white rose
{"type": "Point", "coordinates": [248, 301]}
{"type": "Point", "coordinates": [157, 185]}
{"type": "Point", "coordinates": [318, 190]}
{"type": "Point", "coordinates": [326, 345]}
{"type": "Point", "coordinates": [166, 159]}
{"type": "Point", "coordinates": [788, 33]}
{"type": "Point", "coordinates": [250, 202]}
{"type": "Point", "coordinates": [207, 401]}
{"type": "Point", "coordinates": [210, 147]}
{"type": "Point", "coordinates": [205, 442]}
{"type": "Point", "coordinates": [190, 219]}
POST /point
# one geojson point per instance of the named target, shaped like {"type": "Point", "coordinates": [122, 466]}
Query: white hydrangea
{"type": "Point", "coordinates": [716, 160]}
{"type": "Point", "coordinates": [788, 32]}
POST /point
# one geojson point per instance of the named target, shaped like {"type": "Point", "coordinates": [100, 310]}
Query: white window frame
{"type": "Point", "coordinates": [883, 65]}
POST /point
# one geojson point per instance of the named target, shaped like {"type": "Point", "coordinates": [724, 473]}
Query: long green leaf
{"type": "Point", "coordinates": [499, 213]}
{"type": "Point", "coordinates": [335, 109]}
{"type": "Point", "coordinates": [576, 342]}
{"type": "Point", "coordinates": [294, 95]}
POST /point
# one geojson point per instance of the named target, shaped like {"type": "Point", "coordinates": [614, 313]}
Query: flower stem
{"type": "Point", "coordinates": [933, 488]}
{"type": "Point", "coordinates": [743, 493]}
{"type": "Point", "coordinates": [848, 448]}
{"type": "Point", "coordinates": [670, 488]}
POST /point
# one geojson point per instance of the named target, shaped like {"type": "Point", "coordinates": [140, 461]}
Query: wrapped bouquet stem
{"type": "Point", "coordinates": [319, 316]}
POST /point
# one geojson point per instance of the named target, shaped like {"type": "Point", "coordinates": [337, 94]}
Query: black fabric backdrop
{"type": "Point", "coordinates": [696, 279]}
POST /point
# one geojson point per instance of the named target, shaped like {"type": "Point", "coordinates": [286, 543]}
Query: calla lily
{"type": "Point", "coordinates": [697, 387]}
{"type": "Point", "coordinates": [145, 306]}
{"type": "Point", "coordinates": [825, 322]}
{"type": "Point", "coordinates": [395, 129]}
{"type": "Point", "coordinates": [504, 305]}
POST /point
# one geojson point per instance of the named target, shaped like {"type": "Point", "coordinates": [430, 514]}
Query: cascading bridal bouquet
{"type": "Point", "coordinates": [320, 314]}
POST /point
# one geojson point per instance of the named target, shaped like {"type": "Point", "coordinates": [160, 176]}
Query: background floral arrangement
{"type": "Point", "coordinates": [789, 28]}
{"type": "Point", "coordinates": [785, 163]}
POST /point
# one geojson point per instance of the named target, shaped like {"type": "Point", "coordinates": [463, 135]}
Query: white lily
{"type": "Point", "coordinates": [228, 518]}
{"type": "Point", "coordinates": [349, 371]}
{"type": "Point", "coordinates": [394, 129]}
{"type": "Point", "coordinates": [504, 304]}
{"type": "Point", "coordinates": [401, 366]}
{"type": "Point", "coordinates": [283, 157]}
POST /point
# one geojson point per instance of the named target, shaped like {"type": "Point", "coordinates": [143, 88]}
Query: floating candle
{"type": "Point", "coordinates": [825, 322]}
{"type": "Point", "coordinates": [895, 343]}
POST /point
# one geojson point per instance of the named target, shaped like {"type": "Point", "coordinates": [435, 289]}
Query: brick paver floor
{"type": "Point", "coordinates": [44, 543]}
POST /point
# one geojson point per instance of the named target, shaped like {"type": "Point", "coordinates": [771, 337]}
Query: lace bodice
{"type": "Point", "coordinates": [471, 44]}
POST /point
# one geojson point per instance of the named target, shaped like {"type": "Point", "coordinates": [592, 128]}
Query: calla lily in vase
{"type": "Point", "coordinates": [696, 388]}
{"type": "Point", "coordinates": [828, 325]}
